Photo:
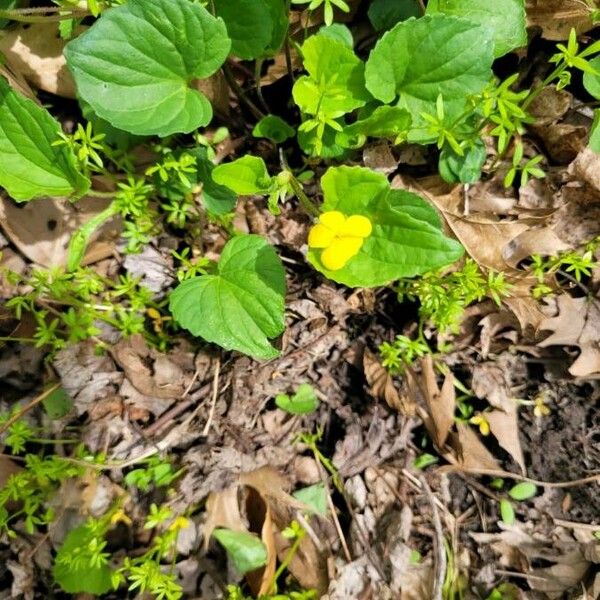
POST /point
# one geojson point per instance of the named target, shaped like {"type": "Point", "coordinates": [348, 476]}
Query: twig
{"type": "Point", "coordinates": [239, 92]}
{"type": "Point", "coordinates": [28, 407]}
{"type": "Point", "coordinates": [214, 398]}
{"type": "Point", "coordinates": [438, 543]}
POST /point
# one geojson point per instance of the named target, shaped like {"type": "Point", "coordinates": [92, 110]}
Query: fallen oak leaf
{"type": "Point", "coordinates": [576, 323]}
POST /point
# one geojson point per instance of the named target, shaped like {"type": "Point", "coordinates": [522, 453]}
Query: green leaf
{"type": "Point", "coordinates": [594, 142]}
{"type": "Point", "coordinates": [420, 59]}
{"type": "Point", "coordinates": [523, 491]}
{"type": "Point", "coordinates": [336, 82]}
{"type": "Point", "coordinates": [591, 81]}
{"type": "Point", "coordinates": [246, 175]}
{"type": "Point", "coordinates": [218, 199]}
{"type": "Point", "coordinates": [7, 5]}
{"type": "Point", "coordinates": [406, 239]}
{"type": "Point", "coordinates": [241, 306]}
{"type": "Point", "coordinates": [30, 165]}
{"type": "Point", "coordinates": [273, 128]}
{"type": "Point", "coordinates": [505, 18]}
{"type": "Point", "coordinates": [507, 512]}
{"type": "Point", "coordinates": [314, 496]}
{"type": "Point", "coordinates": [249, 25]}
{"type": "Point", "coordinates": [384, 14]}
{"type": "Point", "coordinates": [78, 578]}
{"type": "Point", "coordinates": [338, 32]}
{"type": "Point", "coordinates": [303, 402]}
{"type": "Point", "coordinates": [57, 404]}
{"type": "Point", "coordinates": [462, 169]}
{"type": "Point", "coordinates": [279, 18]}
{"type": "Point", "coordinates": [246, 551]}
{"type": "Point", "coordinates": [136, 64]}
{"type": "Point", "coordinates": [384, 121]}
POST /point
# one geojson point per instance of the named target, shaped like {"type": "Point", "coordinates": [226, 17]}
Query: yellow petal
{"type": "Point", "coordinates": [484, 427]}
{"type": "Point", "coordinates": [340, 252]}
{"type": "Point", "coordinates": [320, 236]}
{"type": "Point", "coordinates": [357, 226]}
{"type": "Point", "coordinates": [333, 219]}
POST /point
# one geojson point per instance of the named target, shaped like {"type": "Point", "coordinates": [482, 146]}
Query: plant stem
{"type": "Point", "coordinates": [239, 92]}
{"type": "Point", "coordinates": [98, 194]}
{"type": "Point", "coordinates": [44, 14]}
{"type": "Point", "coordinates": [28, 407]}
{"type": "Point", "coordinates": [288, 557]}
{"type": "Point", "coordinates": [307, 204]}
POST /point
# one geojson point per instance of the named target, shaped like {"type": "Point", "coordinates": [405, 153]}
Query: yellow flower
{"type": "Point", "coordinates": [541, 409]}
{"type": "Point", "coordinates": [120, 517]}
{"type": "Point", "coordinates": [339, 236]}
{"type": "Point", "coordinates": [480, 420]}
{"type": "Point", "coordinates": [179, 523]}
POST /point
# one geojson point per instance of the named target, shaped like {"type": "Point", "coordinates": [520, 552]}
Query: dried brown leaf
{"type": "Point", "coordinates": [35, 51]}
{"type": "Point", "coordinates": [382, 385]}
{"type": "Point", "coordinates": [468, 452]}
{"type": "Point", "coordinates": [557, 17]}
{"type": "Point", "coordinates": [577, 323]}
{"type": "Point", "coordinates": [41, 230]}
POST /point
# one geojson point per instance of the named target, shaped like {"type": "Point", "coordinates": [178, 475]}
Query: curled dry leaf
{"type": "Point", "coordinates": [577, 323]}
{"type": "Point", "coordinates": [259, 502]}
{"type": "Point", "coordinates": [35, 51]}
{"type": "Point", "coordinates": [440, 403]}
{"type": "Point", "coordinates": [381, 385]}
{"type": "Point", "coordinates": [42, 229]}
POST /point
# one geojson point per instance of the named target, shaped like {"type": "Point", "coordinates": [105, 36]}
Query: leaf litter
{"type": "Point", "coordinates": [242, 471]}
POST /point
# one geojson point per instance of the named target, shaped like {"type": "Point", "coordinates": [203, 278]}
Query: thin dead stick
{"type": "Point", "coordinates": [516, 476]}
{"type": "Point", "coordinates": [575, 525]}
{"type": "Point", "coordinates": [28, 407]}
{"type": "Point", "coordinates": [438, 543]}
{"type": "Point", "coordinates": [213, 403]}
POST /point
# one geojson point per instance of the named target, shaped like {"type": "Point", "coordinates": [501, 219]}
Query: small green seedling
{"type": "Point", "coordinates": [303, 402]}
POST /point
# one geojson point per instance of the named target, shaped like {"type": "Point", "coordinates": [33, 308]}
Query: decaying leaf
{"type": "Point", "coordinates": [382, 385]}
{"type": "Point", "coordinates": [259, 502]}
{"type": "Point", "coordinates": [468, 452]}
{"type": "Point", "coordinates": [557, 17]}
{"type": "Point", "coordinates": [577, 323]}
{"type": "Point", "coordinates": [35, 51]}
{"type": "Point", "coordinates": [42, 229]}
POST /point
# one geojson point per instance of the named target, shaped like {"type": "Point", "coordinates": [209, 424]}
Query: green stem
{"type": "Point", "coordinates": [288, 557]}
{"type": "Point", "coordinates": [307, 204]}
{"type": "Point", "coordinates": [98, 194]}
{"type": "Point", "coordinates": [17, 339]}
{"type": "Point", "coordinates": [239, 92]}
{"type": "Point", "coordinates": [41, 14]}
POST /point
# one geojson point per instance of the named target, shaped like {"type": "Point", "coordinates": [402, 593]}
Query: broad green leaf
{"type": "Point", "coordinates": [591, 81]}
{"type": "Point", "coordinates": [246, 551]}
{"type": "Point", "coordinates": [241, 306]}
{"type": "Point", "coordinates": [507, 512]}
{"type": "Point", "coordinates": [523, 491]}
{"type": "Point", "coordinates": [462, 169]}
{"type": "Point", "coordinates": [405, 241]}
{"type": "Point", "coordinates": [384, 14]}
{"type": "Point", "coordinates": [135, 66]}
{"type": "Point", "coordinates": [314, 496]}
{"type": "Point", "coordinates": [336, 81]}
{"type": "Point", "coordinates": [279, 18]}
{"type": "Point", "coordinates": [338, 32]}
{"type": "Point", "coordinates": [30, 165]}
{"type": "Point", "coordinates": [249, 25]}
{"type": "Point", "coordinates": [246, 175]}
{"type": "Point", "coordinates": [303, 402]}
{"type": "Point", "coordinates": [505, 18]}
{"type": "Point", "coordinates": [218, 199]}
{"type": "Point", "coordinates": [76, 578]}
{"type": "Point", "coordinates": [273, 128]}
{"type": "Point", "coordinates": [420, 59]}
{"type": "Point", "coordinates": [58, 404]}
{"type": "Point", "coordinates": [384, 121]}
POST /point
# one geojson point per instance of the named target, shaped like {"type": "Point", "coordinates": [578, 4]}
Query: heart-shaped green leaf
{"type": "Point", "coordinates": [246, 175]}
{"type": "Point", "coordinates": [30, 165]}
{"type": "Point", "coordinates": [249, 25]}
{"type": "Point", "coordinates": [420, 59]}
{"type": "Point", "coordinates": [242, 305]}
{"type": "Point", "coordinates": [134, 66]}
{"type": "Point", "coordinates": [505, 18]}
{"type": "Point", "coordinates": [303, 402]}
{"type": "Point", "coordinates": [246, 551]}
{"type": "Point", "coordinates": [406, 239]}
